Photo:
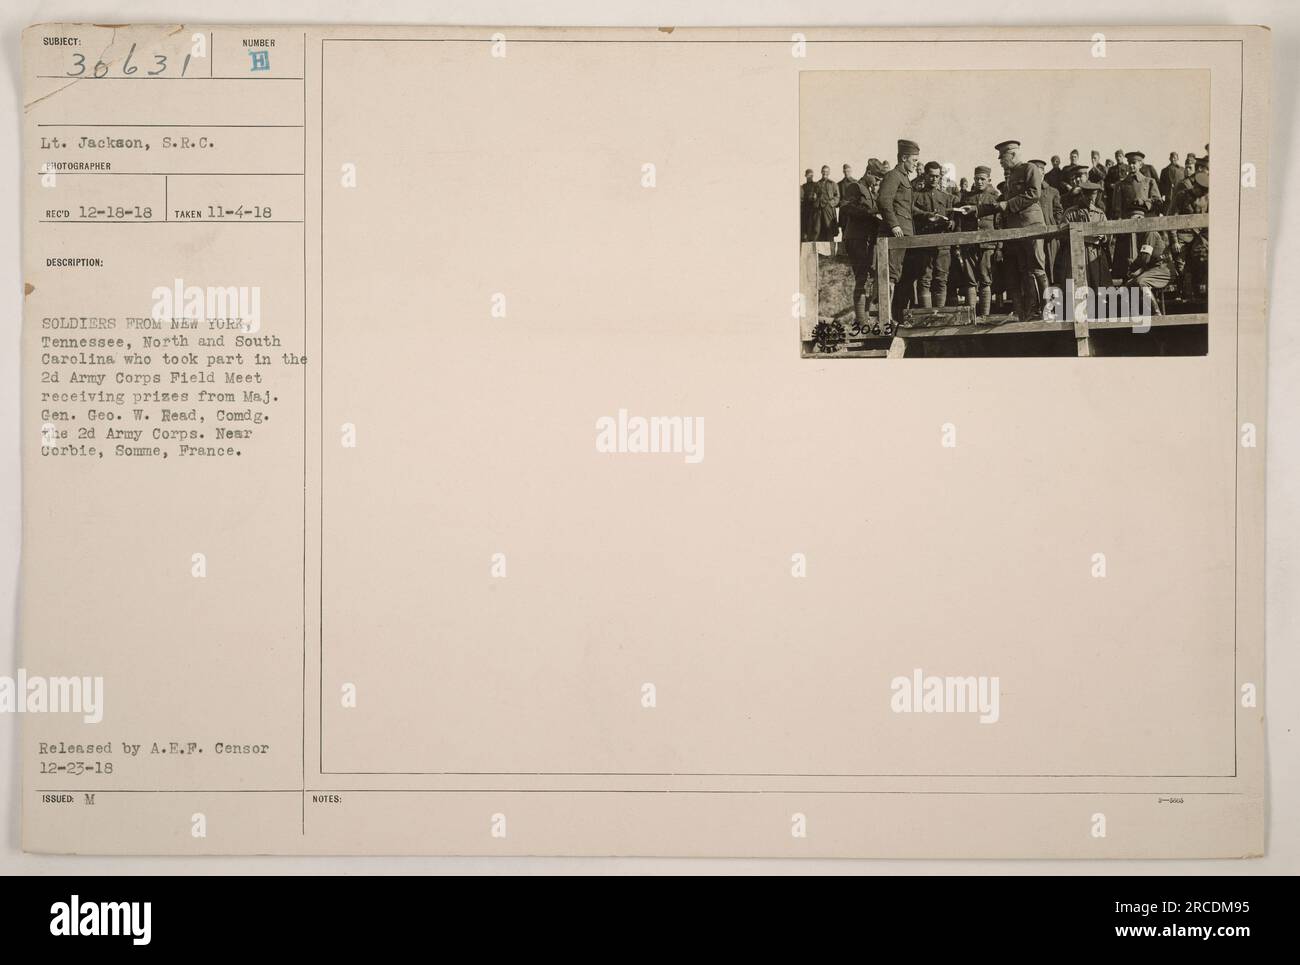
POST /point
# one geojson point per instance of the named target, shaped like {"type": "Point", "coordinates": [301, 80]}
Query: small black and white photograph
{"type": "Point", "coordinates": [1004, 213]}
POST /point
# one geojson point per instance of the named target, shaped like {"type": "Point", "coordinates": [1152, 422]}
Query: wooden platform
{"type": "Point", "coordinates": [1072, 236]}
{"type": "Point", "coordinates": [1011, 325]}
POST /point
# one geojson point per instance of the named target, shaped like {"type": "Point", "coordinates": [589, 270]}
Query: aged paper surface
{"type": "Point", "coordinates": [437, 442]}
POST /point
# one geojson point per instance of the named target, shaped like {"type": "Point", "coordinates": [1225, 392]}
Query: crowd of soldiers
{"type": "Point", "coordinates": [908, 199]}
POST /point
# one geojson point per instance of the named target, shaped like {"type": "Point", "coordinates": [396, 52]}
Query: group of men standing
{"type": "Point", "coordinates": [908, 199]}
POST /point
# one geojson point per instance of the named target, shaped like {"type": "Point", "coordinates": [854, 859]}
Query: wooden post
{"type": "Point", "coordinates": [885, 296]}
{"type": "Point", "coordinates": [808, 288]}
{"type": "Point", "coordinates": [1079, 272]}
{"type": "Point", "coordinates": [884, 292]}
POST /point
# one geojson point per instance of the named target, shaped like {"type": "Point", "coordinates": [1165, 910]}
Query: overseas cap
{"type": "Point", "coordinates": [982, 169]}
{"type": "Point", "coordinates": [908, 147]}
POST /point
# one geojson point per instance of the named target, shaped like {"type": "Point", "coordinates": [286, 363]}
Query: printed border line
{"type": "Point", "coordinates": [1236, 405]}
{"type": "Point", "coordinates": [304, 436]}
{"type": "Point", "coordinates": [605, 790]}
{"type": "Point", "coordinates": [1237, 418]}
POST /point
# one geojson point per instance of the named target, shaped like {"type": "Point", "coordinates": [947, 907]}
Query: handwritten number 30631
{"type": "Point", "coordinates": [129, 69]}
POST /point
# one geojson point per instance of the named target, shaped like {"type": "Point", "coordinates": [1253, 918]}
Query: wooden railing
{"type": "Point", "coordinates": [1071, 233]}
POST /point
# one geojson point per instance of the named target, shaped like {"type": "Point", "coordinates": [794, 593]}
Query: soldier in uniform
{"type": "Point", "coordinates": [1053, 177]}
{"type": "Point", "coordinates": [1191, 246]}
{"type": "Point", "coordinates": [1144, 183]}
{"type": "Point", "coordinates": [845, 181]}
{"type": "Point", "coordinates": [1115, 171]}
{"type": "Point", "coordinates": [826, 208]}
{"type": "Point", "coordinates": [807, 206]}
{"type": "Point", "coordinates": [1138, 161]}
{"type": "Point", "coordinates": [1158, 200]}
{"type": "Point", "coordinates": [876, 170]}
{"type": "Point", "coordinates": [930, 206]}
{"type": "Point", "coordinates": [975, 262]}
{"type": "Point", "coordinates": [1097, 170]}
{"type": "Point", "coordinates": [858, 221]}
{"type": "Point", "coordinates": [1134, 191]}
{"type": "Point", "coordinates": [1063, 174]}
{"type": "Point", "coordinates": [1053, 214]}
{"type": "Point", "coordinates": [1022, 209]}
{"type": "Point", "coordinates": [1174, 201]}
{"type": "Point", "coordinates": [918, 183]}
{"type": "Point", "coordinates": [1002, 267]}
{"type": "Point", "coordinates": [1113, 204]}
{"type": "Point", "coordinates": [1148, 269]}
{"type": "Point", "coordinates": [1171, 175]}
{"type": "Point", "coordinates": [1072, 176]}
{"type": "Point", "coordinates": [895, 205]}
{"type": "Point", "coordinates": [1083, 207]}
